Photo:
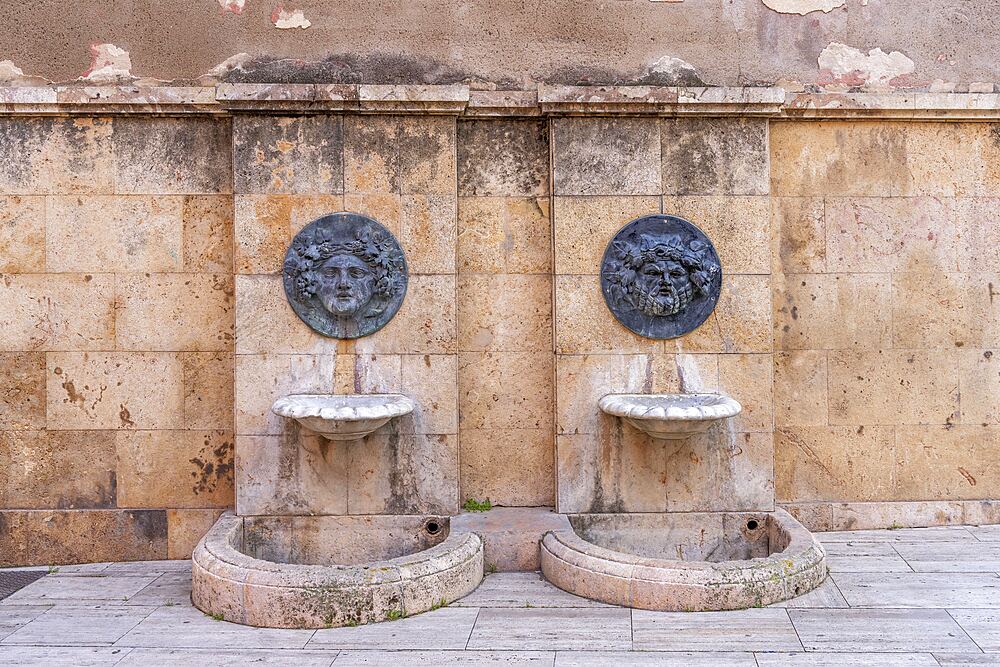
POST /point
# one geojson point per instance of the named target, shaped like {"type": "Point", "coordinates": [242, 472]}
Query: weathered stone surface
{"type": "Point", "coordinates": [800, 388]}
{"type": "Point", "coordinates": [288, 154]}
{"type": "Point", "coordinates": [585, 225]}
{"type": "Point", "coordinates": [578, 299]}
{"type": "Point", "coordinates": [879, 630]}
{"type": "Point", "coordinates": [172, 155]}
{"type": "Point", "coordinates": [57, 312]}
{"type": "Point", "coordinates": [84, 536]}
{"type": "Point", "coordinates": [599, 156]}
{"type": "Point", "coordinates": [262, 379]}
{"type": "Point", "coordinates": [833, 462]}
{"type": "Point", "coordinates": [504, 313]}
{"type": "Point", "coordinates": [703, 156]}
{"type": "Point", "coordinates": [740, 321]}
{"type": "Point", "coordinates": [506, 390]}
{"type": "Point", "coordinates": [738, 227]}
{"type": "Point", "coordinates": [403, 155]}
{"type": "Point", "coordinates": [547, 629]}
{"type": "Point", "coordinates": [207, 233]}
{"type": "Point", "coordinates": [504, 235]}
{"type": "Point", "coordinates": [403, 474]}
{"type": "Point", "coordinates": [125, 234]}
{"type": "Point", "coordinates": [185, 528]}
{"type": "Point", "coordinates": [947, 463]}
{"type": "Point", "coordinates": [979, 386]}
{"type": "Point", "coordinates": [56, 156]}
{"type": "Point", "coordinates": [208, 390]}
{"type": "Point", "coordinates": [190, 312]}
{"type": "Point", "coordinates": [22, 234]}
{"type": "Point", "coordinates": [503, 158]}
{"type": "Point", "coordinates": [721, 471]}
{"type": "Point", "coordinates": [114, 390]}
{"type": "Point", "coordinates": [798, 235]}
{"type": "Point", "coordinates": [57, 469]}
{"type": "Point", "coordinates": [265, 225]}
{"type": "Point", "coordinates": [150, 473]}
{"type": "Point", "coordinates": [832, 311]}
{"type": "Point", "coordinates": [748, 379]}
{"type": "Point", "coordinates": [22, 390]}
{"type": "Point", "coordinates": [511, 467]}
{"type": "Point", "coordinates": [432, 381]}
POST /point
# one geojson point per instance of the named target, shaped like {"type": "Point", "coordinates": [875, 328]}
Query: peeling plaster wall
{"type": "Point", "coordinates": [728, 42]}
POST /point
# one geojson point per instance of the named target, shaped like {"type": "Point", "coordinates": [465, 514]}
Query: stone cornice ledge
{"type": "Point", "coordinates": [457, 99]}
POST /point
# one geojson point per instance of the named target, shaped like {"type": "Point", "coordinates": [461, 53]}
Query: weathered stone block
{"type": "Point", "coordinates": [188, 312]}
{"type": "Point", "coordinates": [606, 156]}
{"type": "Point", "coordinates": [207, 222]}
{"type": "Point", "coordinates": [403, 474]}
{"type": "Point", "coordinates": [262, 379]}
{"type": "Point", "coordinates": [428, 232]}
{"type": "Point", "coordinates": [510, 467]}
{"type": "Point", "coordinates": [737, 226]}
{"type": "Point", "coordinates": [56, 155]}
{"type": "Point", "coordinates": [432, 381]}
{"type": "Point", "coordinates": [504, 235]}
{"type": "Point", "coordinates": [57, 312]}
{"type": "Point", "coordinates": [800, 388]}
{"type": "Point", "coordinates": [403, 155]}
{"type": "Point", "coordinates": [949, 160]}
{"type": "Point", "coordinates": [505, 312]}
{"type": "Point", "coordinates": [22, 391]}
{"type": "Point", "coordinates": [798, 235]}
{"type": "Point", "coordinates": [585, 225]}
{"type": "Point", "coordinates": [748, 378]}
{"type": "Point", "coordinates": [506, 390]}
{"type": "Point", "coordinates": [265, 323]}
{"type": "Point", "coordinates": [741, 321]}
{"type": "Point", "coordinates": [174, 469]}
{"type": "Point", "coordinates": [832, 311]}
{"type": "Point", "coordinates": [979, 386]}
{"type": "Point", "coordinates": [947, 462]}
{"type": "Point", "coordinates": [22, 234]}
{"type": "Point", "coordinates": [208, 390]}
{"type": "Point", "coordinates": [288, 154]}
{"type": "Point", "coordinates": [931, 310]}
{"type": "Point", "coordinates": [185, 528]}
{"type": "Point", "coordinates": [578, 299]}
{"type": "Point", "coordinates": [114, 390]}
{"type": "Point", "coordinates": [276, 475]}
{"type": "Point", "coordinates": [265, 225]}
{"type": "Point", "coordinates": [57, 469]}
{"type": "Point", "coordinates": [425, 324]}
{"type": "Point", "coordinates": [715, 156]}
{"type": "Point", "coordinates": [85, 536]}
{"type": "Point", "coordinates": [503, 157]}
{"type": "Point", "coordinates": [172, 155]}
{"type": "Point", "coordinates": [721, 470]}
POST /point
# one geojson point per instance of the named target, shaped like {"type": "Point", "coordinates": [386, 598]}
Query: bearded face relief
{"type": "Point", "coordinates": [661, 276]}
{"type": "Point", "coordinates": [345, 275]}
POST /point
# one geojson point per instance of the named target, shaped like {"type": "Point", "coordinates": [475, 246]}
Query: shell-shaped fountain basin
{"type": "Point", "coordinates": [671, 416]}
{"type": "Point", "coordinates": [343, 416]}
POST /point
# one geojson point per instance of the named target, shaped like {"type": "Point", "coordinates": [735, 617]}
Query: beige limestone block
{"type": "Point", "coordinates": [114, 390]}
{"type": "Point", "coordinates": [400, 155]}
{"type": "Point", "coordinates": [721, 470]}
{"type": "Point", "coordinates": [579, 300]}
{"type": "Point", "coordinates": [51, 155]}
{"type": "Point", "coordinates": [949, 160]}
{"type": "Point", "coordinates": [979, 385]}
{"type": "Point", "coordinates": [837, 158]}
{"type": "Point", "coordinates": [186, 312]}
{"type": "Point", "coordinates": [505, 390]}
{"type": "Point", "coordinates": [428, 232]}
{"type": "Point", "coordinates": [261, 379]}
{"type": "Point", "coordinates": [832, 311]}
{"type": "Point", "coordinates": [174, 469]}
{"type": "Point", "coordinates": [89, 536]}
{"type": "Point", "coordinates": [14, 538]}
{"type": "Point", "coordinates": [22, 234]}
{"type": "Point", "coordinates": [876, 234]}
{"type": "Point", "coordinates": [265, 323]}
{"type": "Point", "coordinates": [386, 207]}
{"type": "Point", "coordinates": [158, 155]}
{"type": "Point", "coordinates": [893, 387]}
{"type": "Point", "coordinates": [369, 374]}
{"type": "Point", "coordinates": [737, 226]}
{"type": "Point", "coordinates": [288, 154]}
{"type": "Point", "coordinates": [505, 312]}
{"type": "Point", "coordinates": [606, 156]}
{"type": "Point", "coordinates": [931, 310]}
{"type": "Point", "coordinates": [741, 321]}
{"type": "Point", "coordinates": [425, 323]}
{"type": "Point", "coordinates": [978, 221]}
{"type": "Point", "coordinates": [22, 391]}
{"type": "Point", "coordinates": [504, 235]}
{"type": "Point", "coordinates": [207, 233]}
{"type": "Point", "coordinates": [57, 469]}
{"type": "Point", "coordinates": [833, 462]}
{"type": "Point", "coordinates": [947, 462]}
{"type": "Point", "coordinates": [403, 474]}
{"type": "Point", "coordinates": [265, 224]}
{"type": "Point", "coordinates": [798, 235]}
{"type": "Point", "coordinates": [135, 233]}
{"type": "Point", "coordinates": [800, 388]}
{"type": "Point", "coordinates": [582, 380]}
{"type": "Point", "coordinates": [510, 467]}
{"type": "Point", "coordinates": [431, 380]}
{"type": "Point", "coordinates": [715, 156]}
{"type": "Point", "coordinates": [57, 312]}
{"type": "Point", "coordinates": [275, 474]}
{"type": "Point", "coordinates": [983, 308]}
{"type": "Point", "coordinates": [749, 379]}
{"type": "Point", "coordinates": [585, 225]}
{"type": "Point", "coordinates": [185, 528]}
{"type": "Point", "coordinates": [617, 470]}
{"type": "Point", "coordinates": [503, 158]}
{"type": "Point", "coordinates": [208, 390]}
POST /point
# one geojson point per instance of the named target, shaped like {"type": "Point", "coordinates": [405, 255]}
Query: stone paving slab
{"type": "Point", "coordinates": [864, 557]}
{"type": "Point", "coordinates": [767, 629]}
{"type": "Point", "coordinates": [552, 629]}
{"type": "Point", "coordinates": [187, 627]}
{"type": "Point", "coordinates": [146, 568]}
{"type": "Point", "coordinates": [951, 557]}
{"type": "Point", "coordinates": [13, 617]}
{"type": "Point", "coordinates": [172, 588]}
{"type": "Point", "coordinates": [187, 657]}
{"type": "Point", "coordinates": [96, 625]}
{"type": "Point", "coordinates": [81, 590]}
{"type": "Point", "coordinates": [825, 596]}
{"type": "Point", "coordinates": [445, 658]}
{"type": "Point", "coordinates": [983, 625]}
{"type": "Point", "coordinates": [916, 589]}
{"type": "Point", "coordinates": [966, 659]}
{"type": "Point", "coordinates": [522, 589]}
{"type": "Point", "coordinates": [985, 533]}
{"type": "Point", "coordinates": [874, 630]}
{"type": "Point", "coordinates": [447, 628]}
{"type": "Point", "coordinates": [59, 656]}
{"type": "Point", "coordinates": [942, 534]}
{"type": "Point", "coordinates": [653, 659]}
{"type": "Point", "coordinates": [845, 659]}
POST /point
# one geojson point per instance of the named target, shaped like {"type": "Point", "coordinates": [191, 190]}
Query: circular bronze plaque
{"type": "Point", "coordinates": [345, 275]}
{"type": "Point", "coordinates": [661, 276]}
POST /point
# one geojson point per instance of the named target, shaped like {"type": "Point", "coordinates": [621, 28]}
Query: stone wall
{"type": "Point", "coordinates": [144, 332]}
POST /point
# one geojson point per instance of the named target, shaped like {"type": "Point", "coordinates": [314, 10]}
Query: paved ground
{"type": "Point", "coordinates": [896, 597]}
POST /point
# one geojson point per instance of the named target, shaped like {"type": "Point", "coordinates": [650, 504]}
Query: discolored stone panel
{"type": "Point", "coordinates": [503, 158]}
{"type": "Point", "coordinates": [288, 154]}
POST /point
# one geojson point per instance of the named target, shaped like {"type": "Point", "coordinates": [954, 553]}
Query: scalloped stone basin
{"type": "Point", "coordinates": [685, 561]}
{"type": "Point", "coordinates": [317, 572]}
{"type": "Point", "coordinates": [343, 416]}
{"type": "Point", "coordinates": [671, 416]}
